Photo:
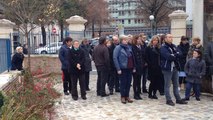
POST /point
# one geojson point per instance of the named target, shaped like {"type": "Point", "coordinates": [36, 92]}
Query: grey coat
{"type": "Point", "coordinates": [195, 69]}
{"type": "Point", "coordinates": [209, 57]}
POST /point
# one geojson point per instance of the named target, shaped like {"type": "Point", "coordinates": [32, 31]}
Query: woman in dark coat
{"type": "Point", "coordinates": [88, 67]}
{"type": "Point", "coordinates": [154, 69]}
{"type": "Point", "coordinates": [18, 59]}
{"type": "Point", "coordinates": [183, 47]}
{"type": "Point", "coordinates": [138, 52]}
{"type": "Point", "coordinates": [77, 70]}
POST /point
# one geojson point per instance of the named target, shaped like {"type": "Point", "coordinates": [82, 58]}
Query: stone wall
{"type": "Point", "coordinates": [44, 64]}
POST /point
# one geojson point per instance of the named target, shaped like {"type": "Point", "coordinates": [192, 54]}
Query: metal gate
{"type": "Point", "coordinates": [5, 55]}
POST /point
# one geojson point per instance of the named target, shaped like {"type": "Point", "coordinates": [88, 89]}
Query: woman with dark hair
{"type": "Point", "coordinates": [64, 58]}
{"type": "Point", "coordinates": [154, 69]}
{"type": "Point", "coordinates": [138, 52]}
{"type": "Point", "coordinates": [195, 69]}
{"type": "Point", "coordinates": [88, 66]}
{"type": "Point", "coordinates": [124, 63]}
{"type": "Point", "coordinates": [183, 47]}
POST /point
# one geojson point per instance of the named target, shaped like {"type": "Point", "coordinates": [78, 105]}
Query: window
{"type": "Point", "coordinates": [136, 21]}
{"type": "Point", "coordinates": [122, 12]}
{"type": "Point", "coordinates": [129, 21]}
{"type": "Point", "coordinates": [122, 21]}
{"type": "Point", "coordinates": [129, 12]}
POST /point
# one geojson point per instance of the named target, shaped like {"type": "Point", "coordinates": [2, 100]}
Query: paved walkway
{"type": "Point", "coordinates": [110, 108]}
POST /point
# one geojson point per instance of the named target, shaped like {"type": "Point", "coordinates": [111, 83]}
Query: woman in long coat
{"type": "Point", "coordinates": [154, 70]}
{"type": "Point", "coordinates": [88, 67]}
{"type": "Point", "coordinates": [138, 51]}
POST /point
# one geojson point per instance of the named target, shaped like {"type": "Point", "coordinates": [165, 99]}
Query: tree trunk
{"type": "Point", "coordinates": [100, 31]}
{"type": "Point", "coordinates": [29, 51]}
{"type": "Point", "coordinates": [93, 29]}
{"type": "Point", "coordinates": [43, 35]}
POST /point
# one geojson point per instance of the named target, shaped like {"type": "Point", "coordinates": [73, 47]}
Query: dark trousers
{"type": "Point", "coordinates": [113, 81]}
{"type": "Point", "coordinates": [125, 82]}
{"type": "Point", "coordinates": [87, 76]}
{"type": "Point", "coordinates": [136, 83]}
{"type": "Point", "coordinates": [196, 89]}
{"type": "Point", "coordinates": [75, 78]}
{"type": "Point", "coordinates": [144, 79]}
{"type": "Point", "coordinates": [161, 83]}
{"type": "Point", "coordinates": [103, 76]}
{"type": "Point", "coordinates": [153, 86]}
{"type": "Point", "coordinates": [67, 84]}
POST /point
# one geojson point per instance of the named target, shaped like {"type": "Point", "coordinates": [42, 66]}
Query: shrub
{"type": "Point", "coordinates": [32, 99]}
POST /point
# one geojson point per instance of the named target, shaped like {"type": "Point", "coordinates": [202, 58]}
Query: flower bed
{"type": "Point", "coordinates": [31, 98]}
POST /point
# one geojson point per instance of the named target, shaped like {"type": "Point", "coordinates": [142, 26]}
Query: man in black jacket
{"type": "Point", "coordinates": [64, 58]}
{"type": "Point", "coordinates": [102, 63]}
{"type": "Point", "coordinates": [113, 80]}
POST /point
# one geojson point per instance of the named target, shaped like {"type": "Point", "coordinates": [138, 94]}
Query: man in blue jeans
{"type": "Point", "coordinates": [170, 66]}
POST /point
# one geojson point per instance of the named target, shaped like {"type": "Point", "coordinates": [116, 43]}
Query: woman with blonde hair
{"type": "Point", "coordinates": [152, 53]}
{"type": "Point", "coordinates": [18, 59]}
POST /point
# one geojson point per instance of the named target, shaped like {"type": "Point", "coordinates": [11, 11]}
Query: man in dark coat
{"type": "Point", "coordinates": [64, 58]}
{"type": "Point", "coordinates": [209, 59]}
{"type": "Point", "coordinates": [88, 67]}
{"type": "Point", "coordinates": [102, 63]}
{"type": "Point", "coordinates": [113, 81]}
{"type": "Point", "coordinates": [77, 70]}
{"type": "Point", "coordinates": [170, 67]}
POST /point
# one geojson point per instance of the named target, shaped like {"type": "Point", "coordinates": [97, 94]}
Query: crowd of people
{"type": "Point", "coordinates": [126, 58]}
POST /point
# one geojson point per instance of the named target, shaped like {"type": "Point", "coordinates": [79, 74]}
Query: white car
{"type": "Point", "coordinates": [49, 48]}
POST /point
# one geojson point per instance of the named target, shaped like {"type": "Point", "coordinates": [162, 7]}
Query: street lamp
{"type": "Point", "coordinates": [151, 18]}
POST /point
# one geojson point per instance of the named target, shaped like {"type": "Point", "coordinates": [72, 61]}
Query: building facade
{"type": "Point", "coordinates": [124, 17]}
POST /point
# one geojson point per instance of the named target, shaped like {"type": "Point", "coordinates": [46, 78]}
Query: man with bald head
{"type": "Point", "coordinates": [113, 80]}
{"type": "Point", "coordinates": [170, 66]}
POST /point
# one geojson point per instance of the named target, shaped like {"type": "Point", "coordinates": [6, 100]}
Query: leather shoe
{"type": "Point", "coordinates": [84, 97]}
{"type": "Point", "coordinates": [197, 98]}
{"type": "Point", "coordinates": [136, 97]}
{"type": "Point", "coordinates": [123, 100]}
{"type": "Point", "coordinates": [170, 102]}
{"type": "Point", "coordinates": [104, 95]}
{"type": "Point", "coordinates": [181, 102]}
{"type": "Point", "coordinates": [66, 93]}
{"type": "Point", "coordinates": [154, 97]}
{"type": "Point", "coordinates": [128, 100]}
{"type": "Point", "coordinates": [75, 98]}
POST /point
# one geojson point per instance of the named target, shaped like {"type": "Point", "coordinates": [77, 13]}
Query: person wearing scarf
{"type": "Point", "coordinates": [124, 62]}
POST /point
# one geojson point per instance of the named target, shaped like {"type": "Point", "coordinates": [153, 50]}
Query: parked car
{"type": "Point", "coordinates": [51, 48]}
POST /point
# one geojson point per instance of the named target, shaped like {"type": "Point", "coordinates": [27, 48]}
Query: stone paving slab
{"type": "Point", "coordinates": [110, 108]}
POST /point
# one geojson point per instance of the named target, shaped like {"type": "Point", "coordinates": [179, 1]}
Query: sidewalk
{"type": "Point", "coordinates": [110, 108]}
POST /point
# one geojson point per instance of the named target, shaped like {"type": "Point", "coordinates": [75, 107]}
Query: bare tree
{"type": "Point", "coordinates": [25, 13]}
{"type": "Point", "coordinates": [97, 14]}
{"type": "Point", "coordinates": [160, 9]}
